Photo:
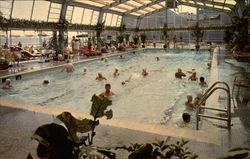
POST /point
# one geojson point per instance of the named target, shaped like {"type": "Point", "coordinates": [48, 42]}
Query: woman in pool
{"type": "Point", "coordinates": [7, 84]}
{"type": "Point", "coordinates": [193, 77]}
{"type": "Point", "coordinates": [144, 72]}
{"type": "Point", "coordinates": [116, 73]}
{"type": "Point", "coordinates": [100, 77]}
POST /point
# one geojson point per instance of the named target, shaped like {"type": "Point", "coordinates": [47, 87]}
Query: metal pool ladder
{"type": "Point", "coordinates": [206, 95]}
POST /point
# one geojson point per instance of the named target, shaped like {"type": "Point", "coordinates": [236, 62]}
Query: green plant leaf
{"type": "Point", "coordinates": [99, 106]}
{"type": "Point", "coordinates": [144, 152]}
{"type": "Point", "coordinates": [237, 156]}
{"type": "Point", "coordinates": [75, 125]}
{"type": "Point", "coordinates": [239, 149]}
{"type": "Point", "coordinates": [109, 114]}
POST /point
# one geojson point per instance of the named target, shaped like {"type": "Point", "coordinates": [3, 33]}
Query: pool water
{"type": "Point", "coordinates": [157, 98]}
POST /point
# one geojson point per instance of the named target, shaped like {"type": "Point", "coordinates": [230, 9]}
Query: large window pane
{"type": "Point", "coordinates": [22, 9]}
{"type": "Point", "coordinates": [69, 13]}
{"type": "Point", "coordinates": [41, 10]}
{"type": "Point", "coordinates": [87, 16]}
{"type": "Point", "coordinates": [95, 18]}
{"type": "Point", "coordinates": [108, 19]}
{"type": "Point", "coordinates": [114, 20]}
{"type": "Point", "coordinates": [77, 15]}
{"type": "Point", "coordinates": [54, 13]}
{"type": "Point", "coordinates": [5, 7]}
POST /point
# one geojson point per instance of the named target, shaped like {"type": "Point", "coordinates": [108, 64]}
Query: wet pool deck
{"type": "Point", "coordinates": [18, 121]}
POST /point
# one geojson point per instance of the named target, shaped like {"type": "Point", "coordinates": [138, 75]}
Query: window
{"type": "Point", "coordinates": [54, 12]}
{"type": "Point", "coordinates": [95, 17]}
{"type": "Point", "coordinates": [22, 9]}
{"type": "Point", "coordinates": [87, 16]}
{"type": "Point", "coordinates": [108, 19]}
{"type": "Point", "coordinates": [5, 8]}
{"type": "Point", "coordinates": [77, 15]}
{"type": "Point", "coordinates": [41, 10]}
{"type": "Point", "coordinates": [69, 13]}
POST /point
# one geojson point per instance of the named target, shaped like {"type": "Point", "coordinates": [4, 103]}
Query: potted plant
{"type": "Point", "coordinates": [198, 34]}
{"type": "Point", "coordinates": [5, 58]}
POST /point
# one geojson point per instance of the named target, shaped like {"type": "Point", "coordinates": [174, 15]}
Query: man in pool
{"type": "Point", "coordinates": [179, 74]}
{"type": "Point", "coordinates": [157, 58]}
{"type": "Point", "coordinates": [202, 82]}
{"type": "Point", "coordinates": [107, 92]}
{"type": "Point", "coordinates": [85, 70]}
{"type": "Point", "coordinates": [144, 72]}
{"type": "Point", "coordinates": [193, 77]}
{"type": "Point", "coordinates": [186, 121]}
{"type": "Point", "coordinates": [45, 82]}
{"type": "Point", "coordinates": [69, 67]}
{"type": "Point", "coordinates": [127, 81]}
{"type": "Point", "coordinates": [100, 77]}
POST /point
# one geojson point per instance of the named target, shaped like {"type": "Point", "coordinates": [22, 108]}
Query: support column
{"type": "Point", "coordinates": [61, 29]}
{"type": "Point", "coordinates": [197, 14]}
{"type": "Point", "coordinates": [100, 17]}
{"type": "Point", "coordinates": [138, 22]}
{"type": "Point", "coordinates": [123, 19]}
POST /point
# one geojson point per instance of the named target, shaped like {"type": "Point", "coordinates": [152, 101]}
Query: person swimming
{"type": "Point", "coordinates": [100, 77]}
{"type": "Point", "coordinates": [116, 73]}
{"type": "Point", "coordinates": [127, 81]}
{"type": "Point", "coordinates": [107, 92]}
{"type": "Point", "coordinates": [144, 72]}
{"type": "Point", "coordinates": [209, 65]}
{"type": "Point", "coordinates": [45, 82]}
{"type": "Point", "coordinates": [189, 103]}
{"type": "Point", "coordinates": [69, 67]}
{"type": "Point", "coordinates": [179, 74]}
{"type": "Point", "coordinates": [121, 57]}
{"type": "Point", "coordinates": [7, 84]}
{"type": "Point", "coordinates": [202, 82]}
{"type": "Point", "coordinates": [157, 58]}
{"type": "Point", "coordinates": [193, 77]}
{"type": "Point", "coordinates": [85, 70]}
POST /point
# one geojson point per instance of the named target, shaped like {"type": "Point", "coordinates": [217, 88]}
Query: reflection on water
{"type": "Point", "coordinates": [157, 98]}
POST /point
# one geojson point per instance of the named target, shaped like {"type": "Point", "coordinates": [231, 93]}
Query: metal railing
{"type": "Point", "coordinates": [205, 96]}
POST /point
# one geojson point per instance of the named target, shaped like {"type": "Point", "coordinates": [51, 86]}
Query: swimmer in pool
{"type": "Point", "coordinates": [189, 103]}
{"type": "Point", "coordinates": [116, 73]}
{"type": "Point", "coordinates": [121, 57]}
{"type": "Point", "coordinates": [127, 81]}
{"type": "Point", "coordinates": [193, 77]}
{"type": "Point", "coordinates": [69, 67]}
{"type": "Point", "coordinates": [7, 84]}
{"type": "Point", "coordinates": [45, 82]}
{"type": "Point", "coordinates": [100, 77]}
{"type": "Point", "coordinates": [85, 70]}
{"type": "Point", "coordinates": [202, 82]}
{"type": "Point", "coordinates": [107, 92]}
{"type": "Point", "coordinates": [144, 72]}
{"type": "Point", "coordinates": [157, 58]}
{"type": "Point", "coordinates": [179, 74]}
{"type": "Point", "coordinates": [105, 60]}
{"type": "Point", "coordinates": [209, 64]}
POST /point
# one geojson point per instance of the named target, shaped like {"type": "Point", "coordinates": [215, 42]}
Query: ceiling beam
{"type": "Point", "coordinates": [144, 6]}
{"type": "Point", "coordinates": [215, 3]}
{"type": "Point", "coordinates": [150, 13]}
{"type": "Point", "coordinates": [114, 4]}
{"type": "Point", "coordinates": [205, 7]}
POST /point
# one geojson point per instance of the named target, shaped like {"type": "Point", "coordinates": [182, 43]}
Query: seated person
{"type": "Point", "coordinates": [107, 92]}
{"type": "Point", "coordinates": [45, 82]}
{"type": "Point", "coordinates": [7, 84]}
{"type": "Point", "coordinates": [186, 120]}
{"type": "Point", "coordinates": [85, 70]}
{"type": "Point", "coordinates": [100, 77]}
{"type": "Point", "coordinates": [193, 77]}
{"type": "Point", "coordinates": [127, 81]}
{"type": "Point", "coordinates": [116, 73]}
{"type": "Point", "coordinates": [202, 82]}
{"type": "Point", "coordinates": [69, 67]}
{"type": "Point", "coordinates": [179, 74]}
{"type": "Point", "coordinates": [189, 103]}
{"type": "Point", "coordinates": [144, 72]}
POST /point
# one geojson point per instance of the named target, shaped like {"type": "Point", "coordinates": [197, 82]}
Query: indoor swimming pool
{"type": "Point", "coordinates": [156, 98]}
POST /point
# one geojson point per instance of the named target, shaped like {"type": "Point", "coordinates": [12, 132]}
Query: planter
{"type": "Point", "coordinates": [4, 66]}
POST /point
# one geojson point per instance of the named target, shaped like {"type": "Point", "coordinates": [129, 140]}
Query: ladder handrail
{"type": "Point", "coordinates": [213, 85]}
{"type": "Point", "coordinates": [208, 95]}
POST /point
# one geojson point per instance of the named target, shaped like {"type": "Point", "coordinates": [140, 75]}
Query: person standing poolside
{"type": "Point", "coordinates": [107, 92]}
{"type": "Point", "coordinates": [179, 74]}
{"type": "Point", "coordinates": [69, 67]}
{"type": "Point", "coordinates": [100, 77]}
{"type": "Point", "coordinates": [7, 84]}
{"type": "Point", "coordinates": [116, 73]}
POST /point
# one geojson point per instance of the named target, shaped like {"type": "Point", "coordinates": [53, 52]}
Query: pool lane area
{"type": "Point", "coordinates": [209, 142]}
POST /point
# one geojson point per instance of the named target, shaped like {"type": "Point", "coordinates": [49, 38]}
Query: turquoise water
{"type": "Point", "coordinates": [157, 98]}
